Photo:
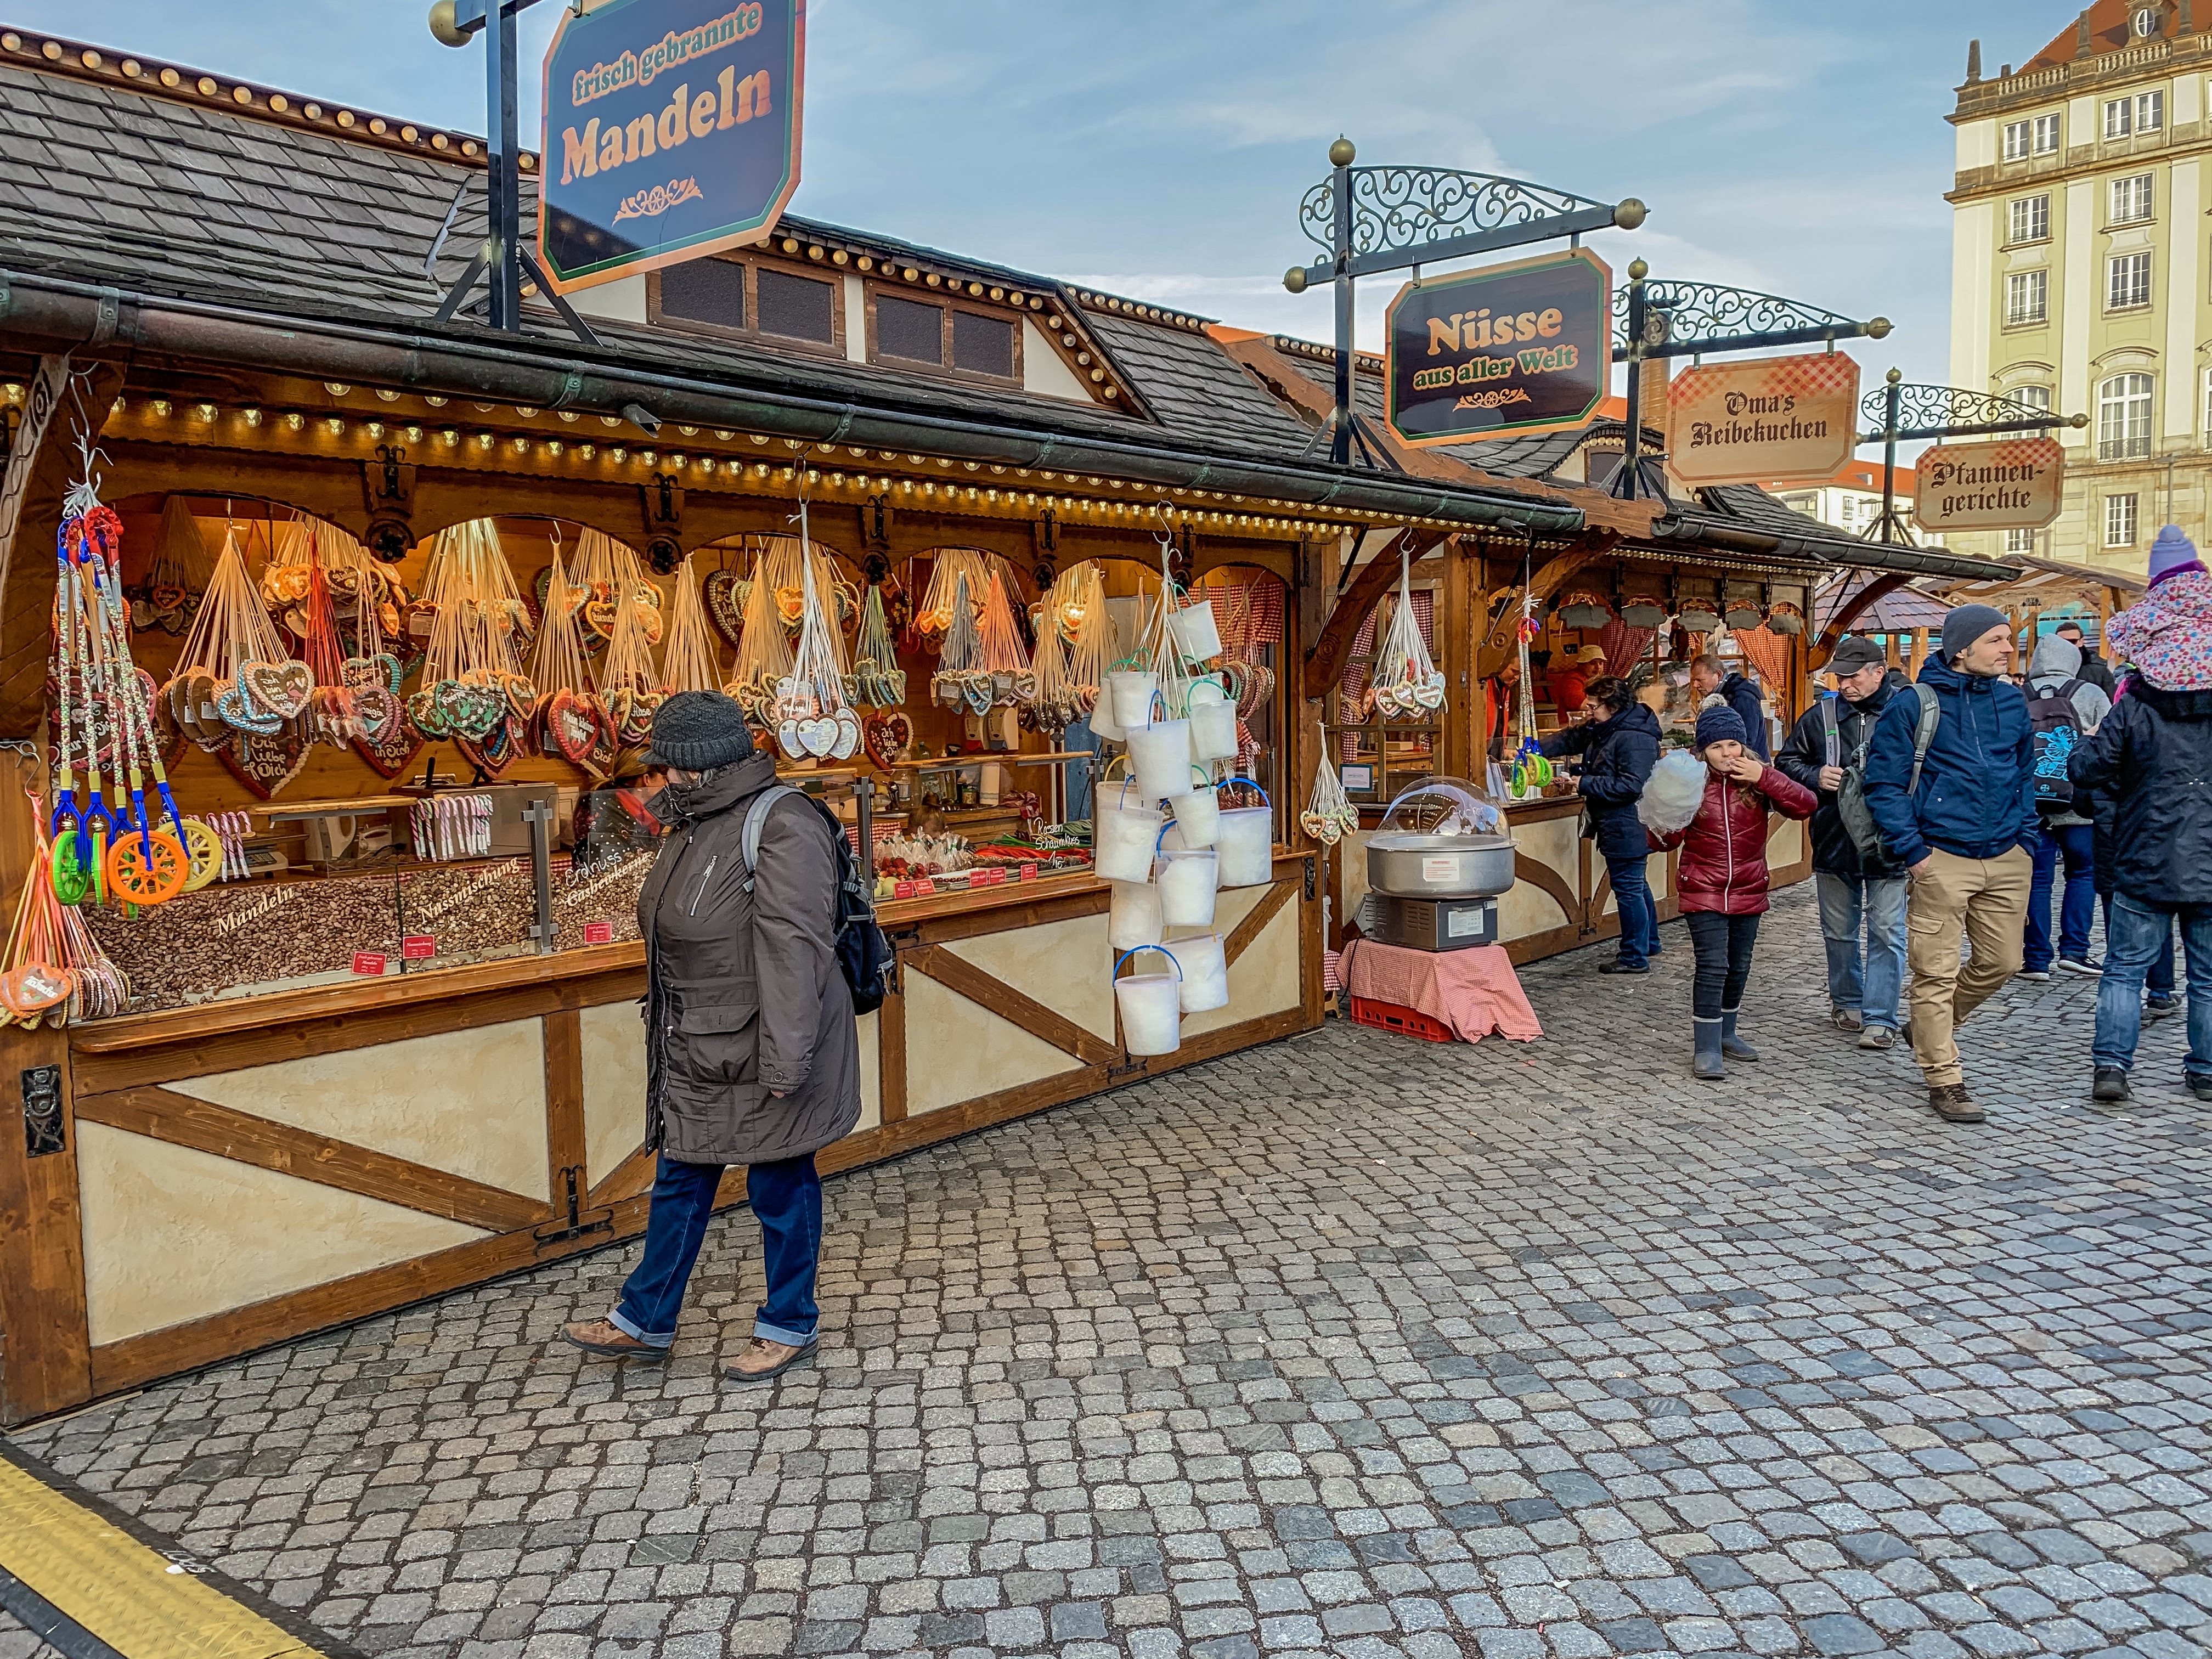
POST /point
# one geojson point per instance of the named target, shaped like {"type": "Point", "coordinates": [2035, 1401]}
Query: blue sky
{"type": "Point", "coordinates": [1160, 149]}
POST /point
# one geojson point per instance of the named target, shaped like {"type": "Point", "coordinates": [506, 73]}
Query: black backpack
{"type": "Point", "coordinates": [864, 953]}
{"type": "Point", "coordinates": [1850, 798]}
{"type": "Point", "coordinates": [2055, 728]}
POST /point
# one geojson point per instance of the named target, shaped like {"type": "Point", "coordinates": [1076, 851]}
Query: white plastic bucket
{"type": "Point", "coordinates": [1132, 915]}
{"type": "Point", "coordinates": [1197, 814]}
{"type": "Point", "coordinates": [1101, 719]}
{"type": "Point", "coordinates": [1212, 730]}
{"type": "Point", "coordinates": [1123, 842]}
{"type": "Point", "coordinates": [1132, 691]}
{"type": "Point", "coordinates": [1186, 884]}
{"type": "Point", "coordinates": [1205, 964]}
{"type": "Point", "coordinates": [1194, 630]}
{"type": "Point", "coordinates": [1246, 843]}
{"type": "Point", "coordinates": [1161, 755]}
{"type": "Point", "coordinates": [1152, 1007]}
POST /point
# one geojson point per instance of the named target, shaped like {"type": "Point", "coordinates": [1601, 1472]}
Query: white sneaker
{"type": "Point", "coordinates": [2040, 976]}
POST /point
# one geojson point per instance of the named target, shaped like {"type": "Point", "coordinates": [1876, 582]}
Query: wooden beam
{"type": "Point", "coordinates": [1332, 649]}
{"type": "Point", "coordinates": [1547, 579]}
{"type": "Point", "coordinates": [958, 975]}
{"type": "Point", "coordinates": [42, 1295]}
{"type": "Point", "coordinates": [565, 1136]}
{"type": "Point", "coordinates": [1857, 606]}
{"type": "Point", "coordinates": [1257, 918]}
{"type": "Point", "coordinates": [180, 1120]}
{"type": "Point", "coordinates": [633, 1176]}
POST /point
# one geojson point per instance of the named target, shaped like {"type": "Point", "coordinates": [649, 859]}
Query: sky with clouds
{"type": "Point", "coordinates": [1160, 149]}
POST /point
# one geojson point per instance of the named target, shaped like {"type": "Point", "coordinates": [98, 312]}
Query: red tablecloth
{"type": "Point", "coordinates": [1475, 991]}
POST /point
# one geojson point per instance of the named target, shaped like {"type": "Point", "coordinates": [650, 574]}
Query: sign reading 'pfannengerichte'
{"type": "Point", "coordinates": [1767, 419]}
{"type": "Point", "coordinates": [671, 131]}
{"type": "Point", "coordinates": [2013, 485]}
{"type": "Point", "coordinates": [1495, 353]}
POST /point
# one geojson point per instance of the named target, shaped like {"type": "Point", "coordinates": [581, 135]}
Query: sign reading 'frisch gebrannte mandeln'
{"type": "Point", "coordinates": [671, 131]}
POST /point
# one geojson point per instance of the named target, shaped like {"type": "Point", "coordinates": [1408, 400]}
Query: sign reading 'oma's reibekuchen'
{"type": "Point", "coordinates": [1512, 349]}
{"type": "Point", "coordinates": [671, 131]}
{"type": "Point", "coordinates": [1763, 420]}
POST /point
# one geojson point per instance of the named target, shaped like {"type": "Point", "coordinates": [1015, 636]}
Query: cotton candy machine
{"type": "Point", "coordinates": [1436, 867]}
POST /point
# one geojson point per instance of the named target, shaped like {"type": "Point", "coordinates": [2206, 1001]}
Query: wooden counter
{"type": "Point", "coordinates": [246, 1170]}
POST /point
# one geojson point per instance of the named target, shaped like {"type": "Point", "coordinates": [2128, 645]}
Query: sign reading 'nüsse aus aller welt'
{"type": "Point", "coordinates": [671, 131]}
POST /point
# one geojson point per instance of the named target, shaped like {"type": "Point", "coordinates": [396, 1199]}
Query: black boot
{"type": "Point", "coordinates": [1706, 1059]}
{"type": "Point", "coordinates": [1732, 1045]}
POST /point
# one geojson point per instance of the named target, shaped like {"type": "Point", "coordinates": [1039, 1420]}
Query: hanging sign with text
{"type": "Point", "coordinates": [2012, 485]}
{"type": "Point", "coordinates": [671, 131]}
{"type": "Point", "coordinates": [1769, 420]}
{"type": "Point", "coordinates": [1502, 351]}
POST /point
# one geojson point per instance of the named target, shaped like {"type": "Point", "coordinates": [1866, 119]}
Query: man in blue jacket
{"type": "Point", "coordinates": [1962, 822]}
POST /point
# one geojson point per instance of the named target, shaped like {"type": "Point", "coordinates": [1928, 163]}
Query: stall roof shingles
{"type": "Point", "coordinates": [1194, 387]}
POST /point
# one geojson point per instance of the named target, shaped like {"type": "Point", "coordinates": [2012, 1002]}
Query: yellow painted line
{"type": "Point", "coordinates": [126, 1593]}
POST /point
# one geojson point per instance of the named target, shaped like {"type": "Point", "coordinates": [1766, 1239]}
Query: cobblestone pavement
{"type": "Point", "coordinates": [1353, 1345]}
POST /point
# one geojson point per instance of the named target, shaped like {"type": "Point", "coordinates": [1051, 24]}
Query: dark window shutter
{"type": "Point", "coordinates": [797, 307]}
{"type": "Point", "coordinates": [983, 345]}
{"type": "Point", "coordinates": [705, 291]}
{"type": "Point", "coordinates": [909, 329]}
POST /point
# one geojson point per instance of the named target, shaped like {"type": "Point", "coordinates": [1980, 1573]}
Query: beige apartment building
{"type": "Point", "coordinates": [2081, 267]}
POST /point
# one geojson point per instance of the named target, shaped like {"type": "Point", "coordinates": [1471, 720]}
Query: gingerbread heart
{"type": "Point", "coordinates": [238, 713]}
{"type": "Point", "coordinates": [569, 728]}
{"type": "Point", "coordinates": [521, 697]}
{"type": "Point", "coordinates": [495, 751]}
{"type": "Point", "coordinates": [848, 740]}
{"type": "Point", "coordinates": [425, 715]}
{"type": "Point", "coordinates": [281, 688]}
{"type": "Point", "coordinates": [264, 761]}
{"type": "Point", "coordinates": [725, 610]}
{"type": "Point", "coordinates": [392, 750]}
{"type": "Point", "coordinates": [818, 736]}
{"type": "Point", "coordinates": [377, 714]}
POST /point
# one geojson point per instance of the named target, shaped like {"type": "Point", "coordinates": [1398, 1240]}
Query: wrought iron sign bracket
{"type": "Point", "coordinates": [1936, 411]}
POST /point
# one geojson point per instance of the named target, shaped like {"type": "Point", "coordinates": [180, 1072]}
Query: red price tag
{"type": "Point", "coordinates": [368, 962]}
{"type": "Point", "coordinates": [1029, 872]}
{"type": "Point", "coordinates": [598, 932]}
{"type": "Point", "coordinates": [903, 889]}
{"type": "Point", "coordinates": [998, 875]}
{"type": "Point", "coordinates": [419, 947]}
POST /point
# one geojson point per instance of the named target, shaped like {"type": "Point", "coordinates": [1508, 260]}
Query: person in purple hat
{"type": "Point", "coordinates": [2152, 757]}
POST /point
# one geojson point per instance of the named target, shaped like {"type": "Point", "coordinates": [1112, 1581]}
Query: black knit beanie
{"type": "Point", "coordinates": [698, 731]}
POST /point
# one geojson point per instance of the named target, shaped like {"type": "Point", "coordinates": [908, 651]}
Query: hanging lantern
{"type": "Point", "coordinates": [1644, 610]}
{"type": "Point", "coordinates": [1784, 617]}
{"type": "Point", "coordinates": [1583, 609]}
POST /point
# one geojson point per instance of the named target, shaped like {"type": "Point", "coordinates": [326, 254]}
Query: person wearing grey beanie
{"type": "Point", "coordinates": [1950, 783]}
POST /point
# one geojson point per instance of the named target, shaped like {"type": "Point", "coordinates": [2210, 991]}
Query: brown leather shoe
{"type": "Point", "coordinates": [610, 1342]}
{"type": "Point", "coordinates": [1953, 1105]}
{"type": "Point", "coordinates": [763, 1359]}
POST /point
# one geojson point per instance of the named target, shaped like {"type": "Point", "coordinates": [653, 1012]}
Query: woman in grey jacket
{"type": "Point", "coordinates": [752, 1056]}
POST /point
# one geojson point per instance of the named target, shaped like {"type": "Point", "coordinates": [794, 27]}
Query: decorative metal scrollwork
{"type": "Point", "coordinates": [1706, 310]}
{"type": "Point", "coordinates": [1405, 207]}
{"type": "Point", "coordinates": [1920, 405]}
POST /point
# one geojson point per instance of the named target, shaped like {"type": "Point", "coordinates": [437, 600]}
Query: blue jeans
{"type": "Point", "coordinates": [787, 1196]}
{"type": "Point", "coordinates": [2159, 981]}
{"type": "Point", "coordinates": [1880, 900]}
{"type": "Point", "coordinates": [1639, 911]}
{"type": "Point", "coordinates": [2133, 936]}
{"type": "Point", "coordinates": [2077, 843]}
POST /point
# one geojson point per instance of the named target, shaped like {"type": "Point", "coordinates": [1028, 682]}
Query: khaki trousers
{"type": "Point", "coordinates": [1986, 901]}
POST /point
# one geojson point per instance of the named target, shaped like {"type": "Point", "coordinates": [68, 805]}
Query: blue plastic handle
{"type": "Point", "coordinates": [1133, 951]}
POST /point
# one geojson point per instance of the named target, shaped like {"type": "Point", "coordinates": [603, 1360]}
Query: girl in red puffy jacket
{"type": "Point", "coordinates": [1722, 879]}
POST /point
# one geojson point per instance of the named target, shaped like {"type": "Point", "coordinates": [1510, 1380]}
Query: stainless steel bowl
{"type": "Point", "coordinates": [1439, 866]}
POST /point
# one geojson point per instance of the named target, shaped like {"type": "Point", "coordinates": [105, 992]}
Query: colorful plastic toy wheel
{"type": "Point", "coordinates": [205, 849]}
{"type": "Point", "coordinates": [138, 876]}
{"type": "Point", "coordinates": [71, 879]}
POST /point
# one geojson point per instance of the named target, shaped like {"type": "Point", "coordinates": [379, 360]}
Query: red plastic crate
{"type": "Point", "coordinates": [1407, 1021]}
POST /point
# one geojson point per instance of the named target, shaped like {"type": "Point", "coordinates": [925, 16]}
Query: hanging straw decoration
{"type": "Point", "coordinates": [177, 580]}
{"type": "Point", "coordinates": [330, 707]}
{"type": "Point", "coordinates": [1329, 815]}
{"type": "Point", "coordinates": [879, 682]}
{"type": "Point", "coordinates": [961, 680]}
{"type": "Point", "coordinates": [1014, 682]}
{"type": "Point", "coordinates": [813, 719]}
{"type": "Point", "coordinates": [1532, 768]}
{"type": "Point", "coordinates": [471, 682]}
{"type": "Point", "coordinates": [629, 683]}
{"type": "Point", "coordinates": [609, 573]}
{"type": "Point", "coordinates": [1078, 607]}
{"type": "Point", "coordinates": [235, 669]}
{"type": "Point", "coordinates": [1058, 704]}
{"type": "Point", "coordinates": [568, 722]}
{"type": "Point", "coordinates": [1407, 681]}
{"type": "Point", "coordinates": [690, 662]}
{"type": "Point", "coordinates": [935, 620]}
{"type": "Point", "coordinates": [54, 970]}
{"type": "Point", "coordinates": [764, 658]}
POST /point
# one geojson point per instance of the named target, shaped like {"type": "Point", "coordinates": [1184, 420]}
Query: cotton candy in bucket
{"type": "Point", "coordinates": [1132, 915]}
{"type": "Point", "coordinates": [1132, 691]}
{"type": "Point", "coordinates": [1197, 814]}
{"type": "Point", "coordinates": [1213, 722]}
{"type": "Point", "coordinates": [1186, 884]}
{"type": "Point", "coordinates": [1246, 842]}
{"type": "Point", "coordinates": [1123, 843]}
{"type": "Point", "coordinates": [1194, 630]}
{"type": "Point", "coordinates": [1151, 1006]}
{"type": "Point", "coordinates": [1101, 719]}
{"type": "Point", "coordinates": [1204, 960]}
{"type": "Point", "coordinates": [1161, 755]}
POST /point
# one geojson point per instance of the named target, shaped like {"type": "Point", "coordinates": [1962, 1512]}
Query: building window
{"type": "Point", "coordinates": [2031, 219]}
{"type": "Point", "coordinates": [743, 297]}
{"type": "Point", "coordinates": [2131, 202]}
{"type": "Point", "coordinates": [2019, 541]}
{"type": "Point", "coordinates": [2150, 110]}
{"type": "Point", "coordinates": [2119, 520]}
{"type": "Point", "coordinates": [2047, 135]}
{"type": "Point", "coordinates": [797, 307]}
{"type": "Point", "coordinates": [2119, 117]}
{"type": "Point", "coordinates": [2017, 138]}
{"type": "Point", "coordinates": [2128, 281]}
{"type": "Point", "coordinates": [2124, 418]}
{"type": "Point", "coordinates": [2027, 297]}
{"type": "Point", "coordinates": [954, 337]}
{"type": "Point", "coordinates": [2035, 396]}
{"type": "Point", "coordinates": [2144, 112]}
{"type": "Point", "coordinates": [705, 291]}
{"type": "Point", "coordinates": [909, 330]}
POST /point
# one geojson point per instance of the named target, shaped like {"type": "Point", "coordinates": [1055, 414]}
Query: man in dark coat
{"type": "Point", "coordinates": [1964, 823]}
{"type": "Point", "coordinates": [1826, 740]}
{"type": "Point", "coordinates": [1619, 746]}
{"type": "Point", "coordinates": [752, 1055]}
{"type": "Point", "coordinates": [2095, 669]}
{"type": "Point", "coordinates": [1717, 685]}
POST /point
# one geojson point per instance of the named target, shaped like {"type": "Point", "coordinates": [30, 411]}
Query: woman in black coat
{"type": "Point", "coordinates": [1618, 744]}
